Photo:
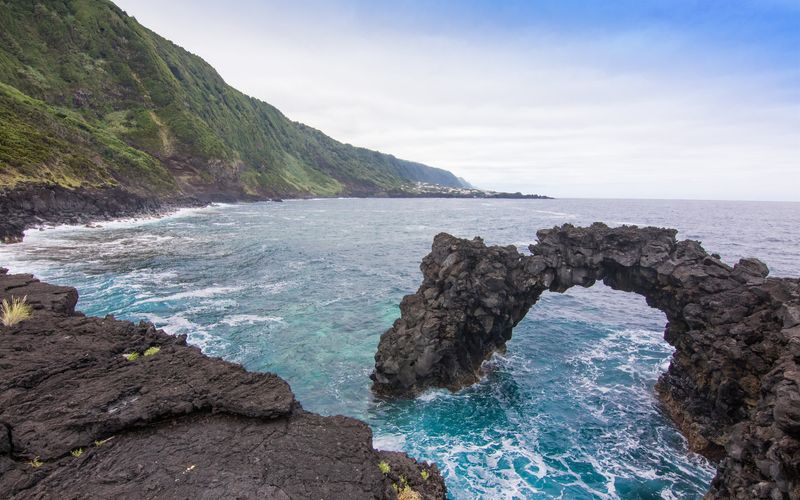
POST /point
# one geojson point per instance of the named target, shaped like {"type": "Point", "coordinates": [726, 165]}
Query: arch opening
{"type": "Point", "coordinates": [732, 329]}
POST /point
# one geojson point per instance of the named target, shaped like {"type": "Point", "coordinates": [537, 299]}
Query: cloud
{"type": "Point", "coordinates": [645, 111]}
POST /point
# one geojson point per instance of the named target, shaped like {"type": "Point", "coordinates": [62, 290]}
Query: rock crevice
{"type": "Point", "coordinates": [733, 385]}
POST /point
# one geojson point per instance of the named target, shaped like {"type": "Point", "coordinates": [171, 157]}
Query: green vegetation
{"type": "Point", "coordinates": [35, 463]}
{"type": "Point", "coordinates": [101, 442]}
{"type": "Point", "coordinates": [425, 475]}
{"type": "Point", "coordinates": [15, 311]}
{"type": "Point", "coordinates": [406, 493]}
{"type": "Point", "coordinates": [77, 452]}
{"type": "Point", "coordinates": [152, 351]}
{"type": "Point", "coordinates": [51, 145]}
{"type": "Point", "coordinates": [384, 467]}
{"type": "Point", "coordinates": [89, 97]}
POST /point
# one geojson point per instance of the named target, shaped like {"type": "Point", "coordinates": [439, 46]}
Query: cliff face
{"type": "Point", "coordinates": [90, 98]}
{"type": "Point", "coordinates": [733, 386]}
{"type": "Point", "coordinates": [79, 419]}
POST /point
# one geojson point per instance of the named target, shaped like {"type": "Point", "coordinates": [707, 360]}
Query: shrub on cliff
{"type": "Point", "coordinates": [15, 311]}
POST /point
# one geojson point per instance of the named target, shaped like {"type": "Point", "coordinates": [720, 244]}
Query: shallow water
{"type": "Point", "coordinates": [305, 288]}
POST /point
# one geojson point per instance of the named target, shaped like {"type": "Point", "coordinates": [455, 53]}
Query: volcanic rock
{"type": "Point", "coordinates": [31, 205]}
{"type": "Point", "coordinates": [732, 387]}
{"type": "Point", "coordinates": [80, 417]}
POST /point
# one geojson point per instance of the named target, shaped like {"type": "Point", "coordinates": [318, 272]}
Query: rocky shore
{"type": "Point", "coordinates": [733, 385]}
{"type": "Point", "coordinates": [33, 206]}
{"type": "Point", "coordinates": [81, 417]}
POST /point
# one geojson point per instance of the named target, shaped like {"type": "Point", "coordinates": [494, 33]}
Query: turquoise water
{"type": "Point", "coordinates": [305, 288]}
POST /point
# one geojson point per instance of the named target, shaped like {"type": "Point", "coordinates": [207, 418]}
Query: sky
{"type": "Point", "coordinates": [682, 99]}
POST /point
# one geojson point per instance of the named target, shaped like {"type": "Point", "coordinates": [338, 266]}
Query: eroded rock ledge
{"type": "Point", "coordinates": [176, 424]}
{"type": "Point", "coordinates": [733, 386]}
{"type": "Point", "coordinates": [29, 206]}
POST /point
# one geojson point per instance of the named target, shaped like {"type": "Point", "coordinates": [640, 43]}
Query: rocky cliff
{"type": "Point", "coordinates": [90, 98]}
{"type": "Point", "coordinates": [82, 418]}
{"type": "Point", "coordinates": [733, 386]}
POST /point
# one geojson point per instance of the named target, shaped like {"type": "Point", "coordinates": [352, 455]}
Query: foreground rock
{"type": "Point", "coordinates": [78, 419]}
{"type": "Point", "coordinates": [733, 386]}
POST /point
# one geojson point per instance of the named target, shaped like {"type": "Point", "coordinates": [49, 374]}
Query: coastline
{"type": "Point", "coordinates": [118, 222]}
{"type": "Point", "coordinates": [42, 207]}
{"type": "Point", "coordinates": [32, 207]}
{"type": "Point", "coordinates": [322, 212]}
{"type": "Point", "coordinates": [79, 414]}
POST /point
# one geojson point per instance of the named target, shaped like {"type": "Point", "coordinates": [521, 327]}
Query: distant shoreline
{"type": "Point", "coordinates": [485, 196]}
{"type": "Point", "coordinates": [37, 207]}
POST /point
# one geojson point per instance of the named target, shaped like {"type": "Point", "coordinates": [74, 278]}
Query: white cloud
{"type": "Point", "coordinates": [638, 114]}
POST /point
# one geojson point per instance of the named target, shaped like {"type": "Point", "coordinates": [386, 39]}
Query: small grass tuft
{"type": "Point", "coordinates": [384, 467]}
{"type": "Point", "coordinates": [15, 311]}
{"type": "Point", "coordinates": [131, 356]}
{"type": "Point", "coordinates": [35, 463]}
{"type": "Point", "coordinates": [408, 494]}
{"type": "Point", "coordinates": [76, 453]}
{"type": "Point", "coordinates": [425, 475]}
{"type": "Point", "coordinates": [101, 442]}
{"type": "Point", "coordinates": [152, 351]}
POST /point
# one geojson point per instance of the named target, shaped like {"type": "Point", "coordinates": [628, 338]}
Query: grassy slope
{"type": "Point", "coordinates": [51, 145]}
{"type": "Point", "coordinates": [94, 98]}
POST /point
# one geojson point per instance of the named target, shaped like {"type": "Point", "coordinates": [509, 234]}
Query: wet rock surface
{"type": "Point", "coordinates": [79, 418]}
{"type": "Point", "coordinates": [32, 206]}
{"type": "Point", "coordinates": [733, 385]}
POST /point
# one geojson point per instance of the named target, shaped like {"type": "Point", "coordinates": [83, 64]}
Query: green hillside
{"type": "Point", "coordinates": [89, 97]}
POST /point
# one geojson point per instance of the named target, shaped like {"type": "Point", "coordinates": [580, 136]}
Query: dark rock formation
{"type": "Point", "coordinates": [173, 424]}
{"type": "Point", "coordinates": [29, 206]}
{"type": "Point", "coordinates": [733, 386]}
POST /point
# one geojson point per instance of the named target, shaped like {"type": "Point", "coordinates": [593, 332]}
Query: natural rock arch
{"type": "Point", "coordinates": [733, 386]}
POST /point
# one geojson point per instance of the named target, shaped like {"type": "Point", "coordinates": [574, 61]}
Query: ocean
{"type": "Point", "coordinates": [305, 288]}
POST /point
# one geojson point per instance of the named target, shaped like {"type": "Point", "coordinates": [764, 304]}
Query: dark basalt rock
{"type": "Point", "coordinates": [733, 386]}
{"type": "Point", "coordinates": [40, 296]}
{"type": "Point", "coordinates": [30, 206]}
{"type": "Point", "coordinates": [176, 424]}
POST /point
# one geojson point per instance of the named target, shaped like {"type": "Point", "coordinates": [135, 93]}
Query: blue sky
{"type": "Point", "coordinates": [642, 99]}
